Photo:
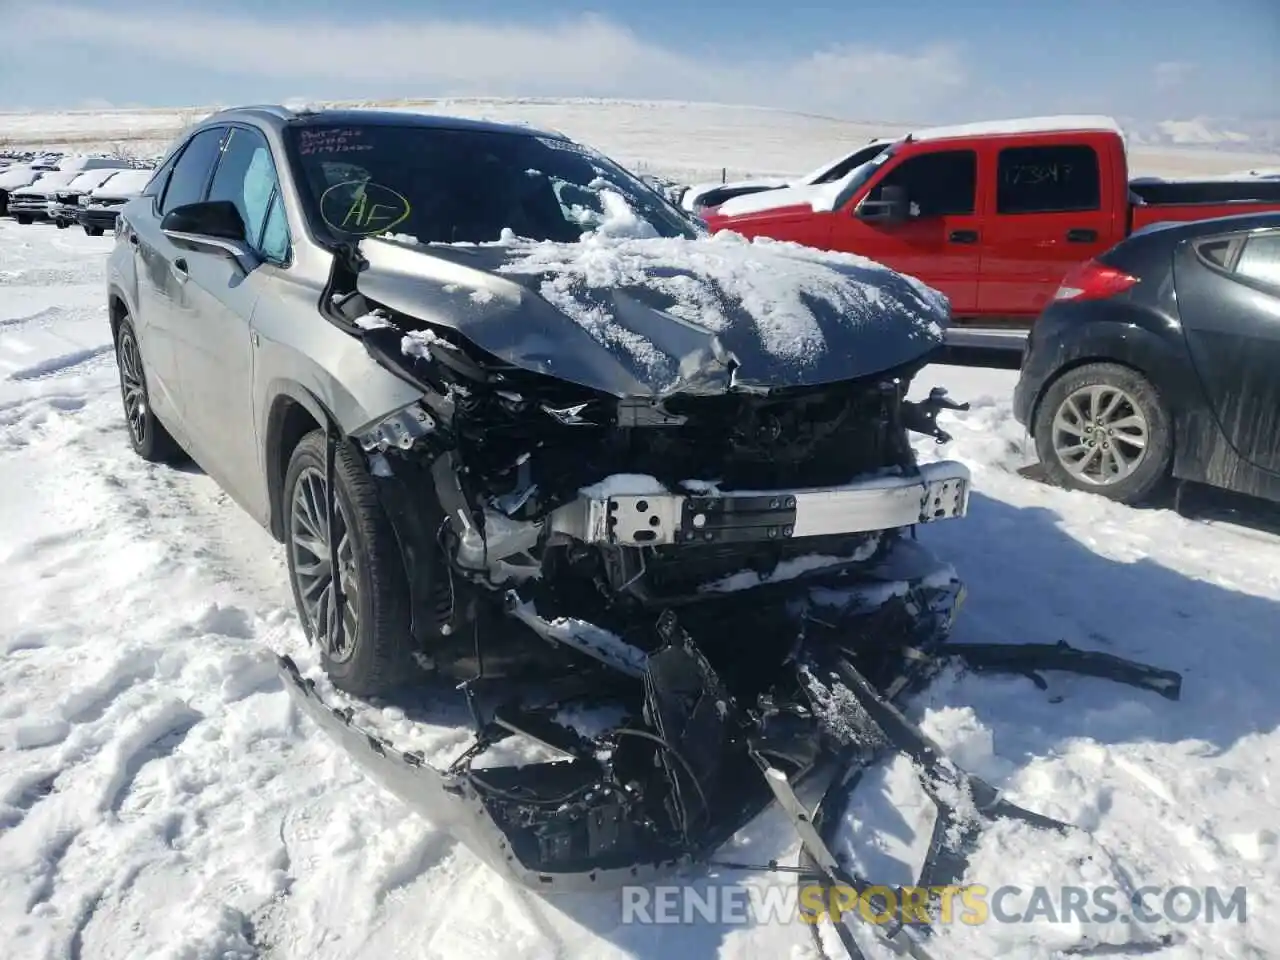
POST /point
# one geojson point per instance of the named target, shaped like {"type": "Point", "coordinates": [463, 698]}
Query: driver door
{"type": "Point", "coordinates": [219, 297]}
{"type": "Point", "coordinates": [940, 241]}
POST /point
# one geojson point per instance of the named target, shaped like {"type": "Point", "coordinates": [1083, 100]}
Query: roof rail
{"type": "Point", "coordinates": [270, 109]}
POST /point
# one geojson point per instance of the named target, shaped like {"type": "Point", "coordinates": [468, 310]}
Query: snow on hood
{"type": "Point", "coordinates": [17, 175]}
{"type": "Point", "coordinates": [123, 185]}
{"type": "Point", "coordinates": [49, 182]}
{"type": "Point", "coordinates": [819, 197]}
{"type": "Point", "coordinates": [86, 181]}
{"type": "Point", "coordinates": [636, 315]}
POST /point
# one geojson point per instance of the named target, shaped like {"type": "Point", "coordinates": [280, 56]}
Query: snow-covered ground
{"type": "Point", "coordinates": [161, 798]}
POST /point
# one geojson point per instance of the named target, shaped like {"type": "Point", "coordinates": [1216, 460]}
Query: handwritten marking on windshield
{"type": "Point", "coordinates": [363, 208]}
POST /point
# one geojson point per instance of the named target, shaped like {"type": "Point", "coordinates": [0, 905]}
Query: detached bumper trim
{"type": "Point", "coordinates": [940, 491]}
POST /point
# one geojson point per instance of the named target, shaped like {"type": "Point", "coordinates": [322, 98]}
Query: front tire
{"type": "Point", "coordinates": [1104, 429]}
{"type": "Point", "coordinates": [365, 651]}
{"type": "Point", "coordinates": [23, 218]}
{"type": "Point", "coordinates": [147, 435]}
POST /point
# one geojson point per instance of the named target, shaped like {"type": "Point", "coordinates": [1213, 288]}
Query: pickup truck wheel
{"type": "Point", "coordinates": [365, 649]}
{"type": "Point", "coordinates": [93, 231]}
{"type": "Point", "coordinates": [1103, 428]}
{"type": "Point", "coordinates": [23, 218]}
{"type": "Point", "coordinates": [147, 435]}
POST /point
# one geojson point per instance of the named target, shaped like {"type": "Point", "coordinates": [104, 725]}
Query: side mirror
{"type": "Point", "coordinates": [893, 206]}
{"type": "Point", "coordinates": [210, 225]}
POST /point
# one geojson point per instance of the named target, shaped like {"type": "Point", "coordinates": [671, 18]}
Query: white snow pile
{"type": "Point", "coordinates": [788, 291]}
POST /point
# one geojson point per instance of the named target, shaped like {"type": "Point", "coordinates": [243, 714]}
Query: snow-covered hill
{"type": "Point", "coordinates": [160, 798]}
{"type": "Point", "coordinates": [700, 141]}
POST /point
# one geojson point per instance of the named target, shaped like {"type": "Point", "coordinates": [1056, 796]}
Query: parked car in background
{"type": "Point", "coordinates": [992, 214]}
{"type": "Point", "coordinates": [21, 174]}
{"type": "Point", "coordinates": [30, 200]}
{"type": "Point", "coordinates": [100, 207]}
{"type": "Point", "coordinates": [64, 208]}
{"type": "Point", "coordinates": [707, 196]}
{"type": "Point", "coordinates": [1161, 358]}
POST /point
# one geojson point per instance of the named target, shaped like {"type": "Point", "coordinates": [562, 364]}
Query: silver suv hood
{"type": "Point", "coordinates": [653, 317]}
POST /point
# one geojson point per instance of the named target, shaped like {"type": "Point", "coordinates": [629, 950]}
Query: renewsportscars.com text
{"type": "Point", "coordinates": [973, 904]}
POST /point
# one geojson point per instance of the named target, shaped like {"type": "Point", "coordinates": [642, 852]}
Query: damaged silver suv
{"type": "Point", "coordinates": [517, 418]}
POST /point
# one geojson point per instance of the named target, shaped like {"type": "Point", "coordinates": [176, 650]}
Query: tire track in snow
{"type": "Point", "coordinates": [53, 366]}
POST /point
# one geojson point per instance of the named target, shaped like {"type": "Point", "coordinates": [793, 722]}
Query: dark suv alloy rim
{"type": "Point", "coordinates": [309, 544]}
{"type": "Point", "coordinates": [133, 387]}
{"type": "Point", "coordinates": [1100, 434]}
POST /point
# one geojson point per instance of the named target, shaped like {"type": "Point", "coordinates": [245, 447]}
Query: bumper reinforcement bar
{"type": "Point", "coordinates": [940, 491]}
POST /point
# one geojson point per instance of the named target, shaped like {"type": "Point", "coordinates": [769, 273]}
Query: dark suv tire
{"type": "Point", "coordinates": [369, 651]}
{"type": "Point", "coordinates": [1103, 428]}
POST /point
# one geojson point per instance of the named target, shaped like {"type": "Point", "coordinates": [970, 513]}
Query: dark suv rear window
{"type": "Point", "coordinates": [467, 186]}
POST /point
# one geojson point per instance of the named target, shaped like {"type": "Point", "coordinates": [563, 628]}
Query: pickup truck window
{"type": "Point", "coordinates": [1048, 180]}
{"type": "Point", "coordinates": [1260, 259]}
{"type": "Point", "coordinates": [941, 184]}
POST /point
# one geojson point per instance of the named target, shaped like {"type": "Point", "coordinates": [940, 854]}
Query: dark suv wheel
{"type": "Point", "coordinates": [364, 649]}
{"type": "Point", "coordinates": [1103, 428]}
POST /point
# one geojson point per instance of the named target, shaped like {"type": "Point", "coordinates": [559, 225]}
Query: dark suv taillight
{"type": "Point", "coordinates": [1093, 280]}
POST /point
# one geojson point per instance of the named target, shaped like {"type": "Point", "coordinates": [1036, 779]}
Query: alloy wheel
{"type": "Point", "coordinates": [309, 540]}
{"type": "Point", "coordinates": [1100, 434]}
{"type": "Point", "coordinates": [133, 387]}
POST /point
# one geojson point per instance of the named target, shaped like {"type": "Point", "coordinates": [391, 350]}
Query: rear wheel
{"type": "Point", "coordinates": [147, 435]}
{"type": "Point", "coordinates": [1103, 428]}
{"type": "Point", "coordinates": [365, 648]}
{"type": "Point", "coordinates": [93, 231]}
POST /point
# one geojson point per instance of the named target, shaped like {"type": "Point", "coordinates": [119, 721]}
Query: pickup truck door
{"type": "Point", "coordinates": [1050, 212]}
{"type": "Point", "coordinates": [940, 240]}
{"type": "Point", "coordinates": [1229, 303]}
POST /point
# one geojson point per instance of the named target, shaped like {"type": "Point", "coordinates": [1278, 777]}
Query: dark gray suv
{"type": "Point", "coordinates": [507, 391]}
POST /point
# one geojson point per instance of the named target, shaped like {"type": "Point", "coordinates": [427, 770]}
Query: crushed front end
{"type": "Point", "coordinates": [679, 561]}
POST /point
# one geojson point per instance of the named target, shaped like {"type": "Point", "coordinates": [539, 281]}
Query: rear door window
{"type": "Point", "coordinates": [1260, 259]}
{"type": "Point", "coordinates": [1057, 179]}
{"type": "Point", "coordinates": [190, 175]}
{"type": "Point", "coordinates": [938, 184]}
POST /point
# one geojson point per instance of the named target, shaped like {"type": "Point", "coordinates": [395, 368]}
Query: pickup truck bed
{"type": "Point", "coordinates": [993, 215]}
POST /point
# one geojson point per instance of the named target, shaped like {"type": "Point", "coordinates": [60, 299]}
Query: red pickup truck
{"type": "Point", "coordinates": [991, 214]}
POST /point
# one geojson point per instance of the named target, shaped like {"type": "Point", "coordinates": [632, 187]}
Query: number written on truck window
{"type": "Point", "coordinates": [941, 184]}
{"type": "Point", "coordinates": [1048, 180]}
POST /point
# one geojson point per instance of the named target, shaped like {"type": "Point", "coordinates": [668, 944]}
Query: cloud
{"type": "Point", "coordinates": [581, 56]}
{"type": "Point", "coordinates": [1171, 74]}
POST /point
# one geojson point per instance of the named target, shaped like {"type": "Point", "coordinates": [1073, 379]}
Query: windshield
{"type": "Point", "coordinates": [839, 171]}
{"type": "Point", "coordinates": [466, 186]}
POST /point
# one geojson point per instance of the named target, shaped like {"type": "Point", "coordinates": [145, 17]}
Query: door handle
{"type": "Point", "coordinates": [179, 269]}
{"type": "Point", "coordinates": [133, 239]}
{"type": "Point", "coordinates": [1081, 235]}
{"type": "Point", "coordinates": [963, 236]}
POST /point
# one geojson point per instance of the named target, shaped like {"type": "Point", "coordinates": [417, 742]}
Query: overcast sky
{"type": "Point", "coordinates": [906, 60]}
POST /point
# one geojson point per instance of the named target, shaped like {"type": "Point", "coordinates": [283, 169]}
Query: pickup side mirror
{"type": "Point", "coordinates": [210, 225]}
{"type": "Point", "coordinates": [893, 206]}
